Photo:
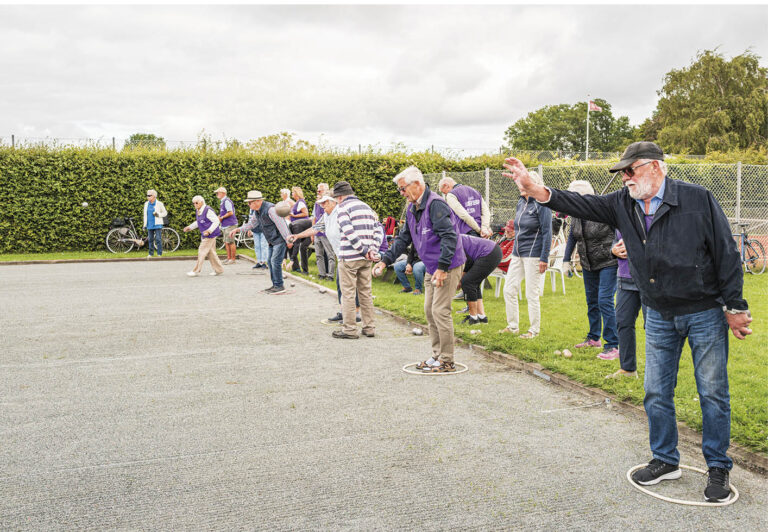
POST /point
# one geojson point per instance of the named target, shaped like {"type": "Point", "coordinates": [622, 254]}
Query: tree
{"type": "Point", "coordinates": [712, 105]}
{"type": "Point", "coordinates": [280, 142]}
{"type": "Point", "coordinates": [144, 140]}
{"type": "Point", "coordinates": [563, 127]}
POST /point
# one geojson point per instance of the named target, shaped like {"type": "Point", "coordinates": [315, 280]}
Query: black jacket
{"type": "Point", "coordinates": [688, 261]}
{"type": "Point", "coordinates": [594, 241]}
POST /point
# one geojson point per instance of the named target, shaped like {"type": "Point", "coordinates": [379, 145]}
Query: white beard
{"type": "Point", "coordinates": [641, 190]}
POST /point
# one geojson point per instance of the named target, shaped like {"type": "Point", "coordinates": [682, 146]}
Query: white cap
{"type": "Point", "coordinates": [327, 198]}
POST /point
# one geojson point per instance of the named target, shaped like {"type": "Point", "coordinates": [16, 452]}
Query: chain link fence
{"type": "Point", "coordinates": [741, 190]}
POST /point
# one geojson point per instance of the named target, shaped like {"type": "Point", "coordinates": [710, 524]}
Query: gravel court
{"type": "Point", "coordinates": [134, 397]}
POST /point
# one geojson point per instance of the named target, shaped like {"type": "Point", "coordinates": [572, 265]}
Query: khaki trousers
{"type": "Point", "coordinates": [207, 250]}
{"type": "Point", "coordinates": [437, 307]}
{"type": "Point", "coordinates": [356, 275]}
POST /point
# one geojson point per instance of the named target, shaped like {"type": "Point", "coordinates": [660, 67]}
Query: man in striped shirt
{"type": "Point", "coordinates": [360, 241]}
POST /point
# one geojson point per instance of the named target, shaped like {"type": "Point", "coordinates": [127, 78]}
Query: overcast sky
{"type": "Point", "coordinates": [453, 76]}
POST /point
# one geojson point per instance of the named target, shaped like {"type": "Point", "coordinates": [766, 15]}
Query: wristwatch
{"type": "Point", "coordinates": [736, 311]}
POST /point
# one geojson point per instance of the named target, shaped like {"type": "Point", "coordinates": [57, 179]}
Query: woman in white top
{"type": "Point", "coordinates": [154, 212]}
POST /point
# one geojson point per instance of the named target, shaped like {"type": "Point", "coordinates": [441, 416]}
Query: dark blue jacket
{"type": "Point", "coordinates": [533, 230]}
{"type": "Point", "coordinates": [687, 262]}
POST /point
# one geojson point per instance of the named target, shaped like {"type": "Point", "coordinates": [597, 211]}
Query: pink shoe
{"type": "Point", "coordinates": [588, 343]}
{"type": "Point", "coordinates": [609, 354]}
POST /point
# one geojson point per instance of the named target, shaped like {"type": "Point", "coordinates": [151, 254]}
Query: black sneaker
{"type": "Point", "coordinates": [338, 318]}
{"type": "Point", "coordinates": [469, 320]}
{"type": "Point", "coordinates": [358, 319]}
{"type": "Point", "coordinates": [484, 319]}
{"type": "Point", "coordinates": [268, 290]}
{"type": "Point", "coordinates": [655, 472]}
{"type": "Point", "coordinates": [406, 290]}
{"type": "Point", "coordinates": [275, 290]}
{"type": "Point", "coordinates": [346, 336]}
{"type": "Point", "coordinates": [718, 488]}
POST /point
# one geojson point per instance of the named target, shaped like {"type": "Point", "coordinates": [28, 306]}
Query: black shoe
{"type": "Point", "coordinates": [484, 319]}
{"type": "Point", "coordinates": [268, 290]}
{"type": "Point", "coordinates": [342, 334]}
{"type": "Point", "coordinates": [718, 489]}
{"type": "Point", "coordinates": [358, 319]}
{"type": "Point", "coordinates": [406, 290]}
{"type": "Point", "coordinates": [655, 472]}
{"type": "Point", "coordinates": [256, 267]}
{"type": "Point", "coordinates": [338, 318]}
{"type": "Point", "coordinates": [469, 320]}
{"type": "Point", "coordinates": [276, 290]}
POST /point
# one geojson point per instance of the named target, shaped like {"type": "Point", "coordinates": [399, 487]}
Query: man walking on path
{"type": "Point", "coordinates": [360, 241]}
{"type": "Point", "coordinates": [685, 263]}
{"type": "Point", "coordinates": [430, 226]}
{"type": "Point", "coordinates": [326, 258]}
{"type": "Point", "coordinates": [276, 232]}
{"type": "Point", "coordinates": [473, 217]}
{"type": "Point", "coordinates": [228, 224]}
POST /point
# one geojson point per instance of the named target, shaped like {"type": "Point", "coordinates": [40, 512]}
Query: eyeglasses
{"type": "Point", "coordinates": [630, 172]}
{"type": "Point", "coordinates": [149, 195]}
{"type": "Point", "coordinates": [402, 189]}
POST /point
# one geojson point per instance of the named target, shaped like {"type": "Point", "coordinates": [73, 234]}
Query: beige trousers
{"type": "Point", "coordinates": [207, 250]}
{"type": "Point", "coordinates": [437, 307]}
{"type": "Point", "coordinates": [356, 275]}
{"type": "Point", "coordinates": [523, 268]}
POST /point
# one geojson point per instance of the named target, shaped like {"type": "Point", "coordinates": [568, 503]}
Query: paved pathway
{"type": "Point", "coordinates": [133, 397]}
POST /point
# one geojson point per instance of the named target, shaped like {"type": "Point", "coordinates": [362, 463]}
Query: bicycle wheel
{"type": "Point", "coordinates": [576, 263]}
{"type": "Point", "coordinates": [170, 239]}
{"type": "Point", "coordinates": [754, 257]}
{"type": "Point", "coordinates": [247, 240]}
{"type": "Point", "coordinates": [219, 242]}
{"type": "Point", "coordinates": [120, 240]}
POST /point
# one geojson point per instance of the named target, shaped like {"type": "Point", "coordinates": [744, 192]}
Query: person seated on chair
{"type": "Point", "coordinates": [507, 244]}
{"type": "Point", "coordinates": [410, 265]}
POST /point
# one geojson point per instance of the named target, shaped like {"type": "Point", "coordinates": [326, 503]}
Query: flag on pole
{"type": "Point", "coordinates": [594, 107]}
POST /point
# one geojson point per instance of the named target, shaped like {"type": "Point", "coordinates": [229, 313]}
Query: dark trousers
{"type": "Point", "coordinates": [600, 286]}
{"type": "Point", "coordinates": [628, 305]}
{"type": "Point", "coordinates": [477, 272]}
{"type": "Point", "coordinates": [154, 241]}
{"type": "Point", "coordinates": [300, 247]}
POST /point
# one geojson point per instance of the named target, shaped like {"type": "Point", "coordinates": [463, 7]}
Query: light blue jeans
{"type": "Point", "coordinates": [707, 334]}
{"type": "Point", "coordinates": [260, 247]}
{"type": "Point", "coordinates": [418, 274]}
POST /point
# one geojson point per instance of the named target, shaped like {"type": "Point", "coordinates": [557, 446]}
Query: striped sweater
{"type": "Point", "coordinates": [359, 229]}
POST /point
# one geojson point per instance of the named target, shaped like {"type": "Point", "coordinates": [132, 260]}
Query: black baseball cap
{"type": "Point", "coordinates": [635, 151]}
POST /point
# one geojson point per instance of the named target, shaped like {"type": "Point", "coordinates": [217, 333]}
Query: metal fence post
{"type": "Point", "coordinates": [738, 192]}
{"type": "Point", "coordinates": [113, 144]}
{"type": "Point", "coordinates": [541, 171]}
{"type": "Point", "coordinates": [488, 190]}
{"type": "Point", "coordinates": [13, 141]}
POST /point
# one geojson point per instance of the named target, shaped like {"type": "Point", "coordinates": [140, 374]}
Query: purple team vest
{"type": "Point", "coordinates": [318, 212]}
{"type": "Point", "coordinates": [623, 270]}
{"type": "Point", "coordinates": [475, 247]}
{"type": "Point", "coordinates": [384, 245]}
{"type": "Point", "coordinates": [230, 220]}
{"type": "Point", "coordinates": [472, 202]}
{"type": "Point", "coordinates": [426, 242]}
{"type": "Point", "coordinates": [203, 223]}
{"type": "Point", "coordinates": [295, 210]}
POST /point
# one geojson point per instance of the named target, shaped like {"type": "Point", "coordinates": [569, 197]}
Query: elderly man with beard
{"type": "Point", "coordinates": [430, 226]}
{"type": "Point", "coordinates": [686, 265]}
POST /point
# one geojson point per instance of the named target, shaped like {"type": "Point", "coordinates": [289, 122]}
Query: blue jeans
{"type": "Point", "coordinates": [260, 247]}
{"type": "Point", "coordinates": [418, 274]}
{"type": "Point", "coordinates": [154, 241]}
{"type": "Point", "coordinates": [707, 334]}
{"type": "Point", "coordinates": [275, 261]}
{"type": "Point", "coordinates": [599, 286]}
{"type": "Point", "coordinates": [628, 306]}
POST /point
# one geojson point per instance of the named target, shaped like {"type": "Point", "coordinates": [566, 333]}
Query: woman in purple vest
{"type": "Point", "coordinates": [207, 222]}
{"type": "Point", "coordinates": [300, 221]}
{"type": "Point", "coordinates": [483, 256]}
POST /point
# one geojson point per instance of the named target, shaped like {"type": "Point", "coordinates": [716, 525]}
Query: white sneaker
{"type": "Point", "coordinates": [193, 274]}
{"type": "Point", "coordinates": [215, 273]}
{"type": "Point", "coordinates": [149, 256]}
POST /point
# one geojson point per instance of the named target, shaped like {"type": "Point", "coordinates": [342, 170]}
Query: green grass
{"type": "Point", "coordinates": [564, 323]}
{"type": "Point", "coordinates": [70, 255]}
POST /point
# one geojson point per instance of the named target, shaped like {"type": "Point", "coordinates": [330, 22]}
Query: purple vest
{"type": "Point", "coordinates": [475, 247]}
{"type": "Point", "coordinates": [623, 271]}
{"type": "Point", "coordinates": [318, 212]}
{"type": "Point", "coordinates": [384, 246]}
{"type": "Point", "coordinates": [203, 223]}
{"type": "Point", "coordinates": [296, 208]}
{"type": "Point", "coordinates": [426, 242]}
{"type": "Point", "coordinates": [230, 220]}
{"type": "Point", "coordinates": [472, 202]}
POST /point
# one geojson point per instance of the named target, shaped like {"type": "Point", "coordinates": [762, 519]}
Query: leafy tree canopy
{"type": "Point", "coordinates": [144, 140]}
{"type": "Point", "coordinates": [280, 142]}
{"type": "Point", "coordinates": [712, 105]}
{"type": "Point", "coordinates": [563, 127]}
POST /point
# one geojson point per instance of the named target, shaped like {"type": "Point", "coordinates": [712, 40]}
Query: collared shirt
{"type": "Point", "coordinates": [656, 201]}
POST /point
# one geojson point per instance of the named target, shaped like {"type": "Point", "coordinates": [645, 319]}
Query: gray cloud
{"type": "Point", "coordinates": [448, 76]}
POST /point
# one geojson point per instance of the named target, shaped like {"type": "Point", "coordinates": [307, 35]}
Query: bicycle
{"type": "Point", "coordinates": [751, 251]}
{"type": "Point", "coordinates": [123, 237]}
{"type": "Point", "coordinates": [240, 237]}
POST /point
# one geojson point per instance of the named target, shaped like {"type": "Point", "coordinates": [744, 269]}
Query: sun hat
{"type": "Point", "coordinates": [635, 151]}
{"type": "Point", "coordinates": [253, 195]}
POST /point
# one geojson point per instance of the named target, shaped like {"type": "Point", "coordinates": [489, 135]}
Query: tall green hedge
{"type": "Point", "coordinates": [43, 190]}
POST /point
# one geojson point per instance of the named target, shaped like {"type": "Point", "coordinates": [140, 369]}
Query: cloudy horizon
{"type": "Point", "coordinates": [449, 76]}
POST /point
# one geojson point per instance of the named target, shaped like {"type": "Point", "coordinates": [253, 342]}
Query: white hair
{"type": "Point", "coordinates": [323, 186]}
{"type": "Point", "coordinates": [582, 187]}
{"type": "Point", "coordinates": [536, 178]}
{"type": "Point", "coordinates": [411, 175]}
{"type": "Point", "coordinates": [285, 191]}
{"type": "Point", "coordinates": [200, 199]}
{"type": "Point", "coordinates": [152, 192]}
{"type": "Point", "coordinates": [451, 182]}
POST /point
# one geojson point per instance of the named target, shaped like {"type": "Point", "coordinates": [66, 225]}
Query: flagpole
{"type": "Point", "coordinates": [586, 154]}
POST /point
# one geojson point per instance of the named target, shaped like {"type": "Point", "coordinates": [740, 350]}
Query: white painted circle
{"type": "Point", "coordinates": [462, 369]}
{"type": "Point", "coordinates": [733, 499]}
